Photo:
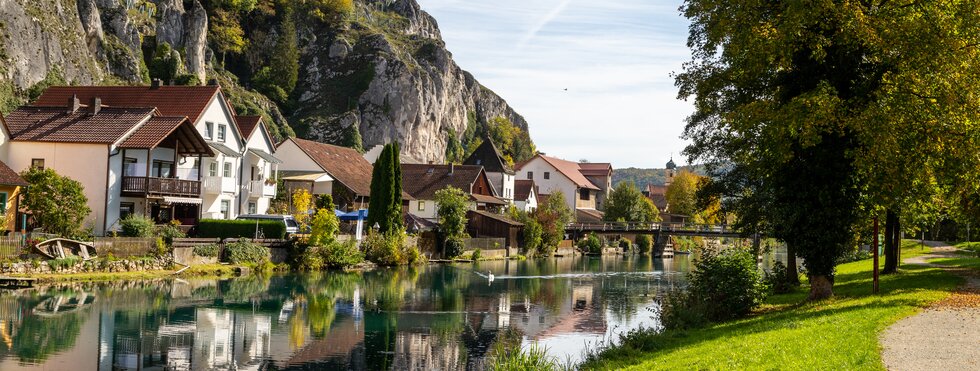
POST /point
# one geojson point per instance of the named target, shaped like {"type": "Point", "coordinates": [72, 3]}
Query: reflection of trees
{"type": "Point", "coordinates": [243, 289]}
{"type": "Point", "coordinates": [38, 338]}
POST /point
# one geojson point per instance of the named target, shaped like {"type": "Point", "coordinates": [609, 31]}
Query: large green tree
{"type": "Point", "coordinates": [452, 204]}
{"type": "Point", "coordinates": [830, 109]}
{"type": "Point", "coordinates": [626, 203]}
{"type": "Point", "coordinates": [385, 206]}
{"type": "Point", "coordinates": [553, 215]}
{"type": "Point", "coordinates": [57, 203]}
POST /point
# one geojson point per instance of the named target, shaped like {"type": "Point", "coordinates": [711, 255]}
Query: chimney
{"type": "Point", "coordinates": [96, 105]}
{"type": "Point", "coordinates": [73, 104]}
{"type": "Point", "coordinates": [156, 84]}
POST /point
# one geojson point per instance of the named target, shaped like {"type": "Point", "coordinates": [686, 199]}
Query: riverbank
{"type": "Point", "coordinates": [787, 333]}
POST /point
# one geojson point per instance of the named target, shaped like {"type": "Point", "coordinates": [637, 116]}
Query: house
{"type": "Point", "coordinates": [326, 169]}
{"type": "Point", "coordinates": [225, 188]}
{"type": "Point", "coordinates": [125, 157]}
{"type": "Point", "coordinates": [422, 181]}
{"type": "Point", "coordinates": [657, 194]}
{"type": "Point", "coordinates": [500, 173]}
{"type": "Point", "coordinates": [260, 165]}
{"type": "Point", "coordinates": [552, 174]}
{"type": "Point", "coordinates": [482, 223]}
{"type": "Point", "coordinates": [525, 195]}
{"type": "Point", "coordinates": [600, 174]}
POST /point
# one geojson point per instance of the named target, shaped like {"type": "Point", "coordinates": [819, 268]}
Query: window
{"type": "Point", "coordinates": [252, 208]}
{"type": "Point", "coordinates": [421, 205]}
{"type": "Point", "coordinates": [126, 209]}
{"type": "Point", "coordinates": [227, 170]}
{"type": "Point", "coordinates": [3, 202]}
{"type": "Point", "coordinates": [530, 175]}
{"type": "Point", "coordinates": [222, 131]}
{"type": "Point", "coordinates": [162, 169]}
{"type": "Point", "coordinates": [213, 169]}
{"type": "Point", "coordinates": [225, 206]}
{"type": "Point", "coordinates": [547, 175]}
{"type": "Point", "coordinates": [209, 130]}
{"type": "Point", "coordinates": [583, 194]}
{"type": "Point", "coordinates": [37, 163]}
{"type": "Point", "coordinates": [129, 166]}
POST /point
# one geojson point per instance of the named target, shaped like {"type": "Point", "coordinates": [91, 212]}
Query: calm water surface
{"type": "Point", "coordinates": [438, 317]}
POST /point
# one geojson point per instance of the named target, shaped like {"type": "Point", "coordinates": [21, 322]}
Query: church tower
{"type": "Point", "coordinates": [670, 172]}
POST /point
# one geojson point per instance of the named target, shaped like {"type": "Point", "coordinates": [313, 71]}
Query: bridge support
{"type": "Point", "coordinates": [660, 243]}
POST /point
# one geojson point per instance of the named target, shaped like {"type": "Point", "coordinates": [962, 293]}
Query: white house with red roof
{"type": "Point", "coordinates": [260, 165]}
{"type": "Point", "coordinates": [552, 174]}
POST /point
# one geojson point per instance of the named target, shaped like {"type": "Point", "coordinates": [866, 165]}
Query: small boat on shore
{"type": "Point", "coordinates": [60, 248]}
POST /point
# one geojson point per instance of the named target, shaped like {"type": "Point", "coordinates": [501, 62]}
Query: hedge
{"type": "Point", "coordinates": [218, 228]}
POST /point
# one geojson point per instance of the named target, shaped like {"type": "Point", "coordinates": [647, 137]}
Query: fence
{"type": "Point", "coordinates": [11, 246]}
{"type": "Point", "coordinates": [484, 243]}
{"type": "Point", "coordinates": [124, 247]}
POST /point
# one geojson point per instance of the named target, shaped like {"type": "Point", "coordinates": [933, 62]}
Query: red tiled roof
{"type": "Point", "coordinates": [10, 177]}
{"type": "Point", "coordinates": [595, 168]}
{"type": "Point", "coordinates": [190, 101]}
{"type": "Point", "coordinates": [56, 124]}
{"type": "Point", "coordinates": [657, 194]}
{"type": "Point", "coordinates": [487, 199]}
{"type": "Point", "coordinates": [159, 128]}
{"type": "Point", "coordinates": [589, 215]}
{"type": "Point", "coordinates": [422, 181]}
{"type": "Point", "coordinates": [570, 170]}
{"type": "Point", "coordinates": [523, 189]}
{"type": "Point", "coordinates": [247, 124]}
{"type": "Point", "coordinates": [345, 165]}
{"type": "Point", "coordinates": [497, 217]}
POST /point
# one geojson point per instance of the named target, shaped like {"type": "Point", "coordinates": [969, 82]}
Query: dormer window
{"type": "Point", "coordinates": [209, 130]}
{"type": "Point", "coordinates": [222, 132]}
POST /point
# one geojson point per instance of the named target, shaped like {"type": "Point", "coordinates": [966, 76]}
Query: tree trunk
{"type": "Point", "coordinates": [897, 235]}
{"type": "Point", "coordinates": [821, 287]}
{"type": "Point", "coordinates": [792, 275]}
{"type": "Point", "coordinates": [891, 251]}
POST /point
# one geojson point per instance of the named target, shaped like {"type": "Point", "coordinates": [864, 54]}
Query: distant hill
{"type": "Point", "coordinates": [642, 177]}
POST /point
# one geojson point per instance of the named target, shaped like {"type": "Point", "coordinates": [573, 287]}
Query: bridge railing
{"type": "Point", "coordinates": [649, 227]}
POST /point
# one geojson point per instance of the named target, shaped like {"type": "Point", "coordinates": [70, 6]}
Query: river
{"type": "Point", "coordinates": [436, 317]}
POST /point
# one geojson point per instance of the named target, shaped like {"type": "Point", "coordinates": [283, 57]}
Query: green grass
{"type": "Point", "coordinates": [965, 262]}
{"type": "Point", "coordinates": [787, 333]}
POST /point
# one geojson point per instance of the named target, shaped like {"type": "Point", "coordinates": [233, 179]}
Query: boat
{"type": "Point", "coordinates": [63, 303]}
{"type": "Point", "coordinates": [60, 248]}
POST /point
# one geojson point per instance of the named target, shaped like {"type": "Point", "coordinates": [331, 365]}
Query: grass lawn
{"type": "Point", "coordinates": [786, 333]}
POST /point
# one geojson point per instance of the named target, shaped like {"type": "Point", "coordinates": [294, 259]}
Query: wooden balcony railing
{"type": "Point", "coordinates": [137, 185]}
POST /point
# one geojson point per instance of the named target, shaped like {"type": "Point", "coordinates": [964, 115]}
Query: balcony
{"type": "Point", "coordinates": [142, 186]}
{"type": "Point", "coordinates": [219, 185]}
{"type": "Point", "coordinates": [259, 189]}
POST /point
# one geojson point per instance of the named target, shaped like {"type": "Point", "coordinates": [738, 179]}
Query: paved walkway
{"type": "Point", "coordinates": [945, 336]}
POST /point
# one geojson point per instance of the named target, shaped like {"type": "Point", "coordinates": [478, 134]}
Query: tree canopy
{"type": "Point", "coordinates": [57, 203]}
{"type": "Point", "coordinates": [385, 205]}
{"type": "Point", "coordinates": [626, 203]}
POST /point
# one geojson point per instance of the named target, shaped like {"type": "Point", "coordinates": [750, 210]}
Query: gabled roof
{"type": "Point", "coordinates": [345, 165]}
{"type": "Point", "coordinates": [422, 181]}
{"type": "Point", "coordinates": [247, 124]}
{"type": "Point", "coordinates": [190, 101]}
{"type": "Point", "coordinates": [159, 128]}
{"type": "Point", "coordinates": [10, 177]}
{"type": "Point", "coordinates": [657, 194]}
{"type": "Point", "coordinates": [567, 168]}
{"type": "Point", "coordinates": [595, 168]}
{"type": "Point", "coordinates": [589, 215]}
{"type": "Point", "coordinates": [59, 124]}
{"type": "Point", "coordinates": [489, 157]}
{"type": "Point", "coordinates": [523, 189]}
{"type": "Point", "coordinates": [496, 217]}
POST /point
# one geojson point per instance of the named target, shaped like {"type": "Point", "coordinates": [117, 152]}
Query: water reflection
{"type": "Point", "coordinates": [433, 318]}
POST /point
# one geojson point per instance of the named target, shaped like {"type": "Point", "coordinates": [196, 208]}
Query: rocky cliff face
{"type": "Point", "coordinates": [390, 74]}
{"type": "Point", "coordinates": [384, 70]}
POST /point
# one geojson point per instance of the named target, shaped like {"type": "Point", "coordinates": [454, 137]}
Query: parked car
{"type": "Point", "coordinates": [291, 226]}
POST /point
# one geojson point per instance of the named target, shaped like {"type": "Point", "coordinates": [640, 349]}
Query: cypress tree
{"type": "Point", "coordinates": [396, 188]}
{"type": "Point", "coordinates": [385, 207]}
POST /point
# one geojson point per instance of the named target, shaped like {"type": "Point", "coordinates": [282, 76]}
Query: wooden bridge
{"type": "Point", "coordinates": [673, 229]}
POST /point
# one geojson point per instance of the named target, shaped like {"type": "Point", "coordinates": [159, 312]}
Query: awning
{"type": "Point", "coordinates": [352, 216]}
{"type": "Point", "coordinates": [223, 149]}
{"type": "Point", "coordinates": [315, 178]}
{"type": "Point", "coordinates": [182, 200]}
{"type": "Point", "coordinates": [265, 156]}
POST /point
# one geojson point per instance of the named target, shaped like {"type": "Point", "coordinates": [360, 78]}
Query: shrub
{"type": "Point", "coordinates": [342, 254]}
{"type": "Point", "coordinates": [170, 232]}
{"type": "Point", "coordinates": [137, 226]}
{"type": "Point", "coordinates": [591, 244]}
{"type": "Point", "coordinates": [625, 244]}
{"type": "Point", "coordinates": [644, 243]}
{"type": "Point", "coordinates": [532, 235]}
{"type": "Point", "coordinates": [476, 254]}
{"type": "Point", "coordinates": [453, 248]}
{"type": "Point", "coordinates": [207, 251]}
{"type": "Point", "coordinates": [325, 226]}
{"type": "Point", "coordinates": [66, 262]}
{"type": "Point", "coordinates": [218, 228]}
{"type": "Point", "coordinates": [244, 251]}
{"type": "Point", "coordinates": [778, 279]}
{"type": "Point", "coordinates": [852, 256]}
{"type": "Point", "coordinates": [385, 249]}
{"type": "Point", "coordinates": [722, 286]}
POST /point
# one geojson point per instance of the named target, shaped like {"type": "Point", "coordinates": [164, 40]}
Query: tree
{"type": "Point", "coordinates": [553, 215]}
{"type": "Point", "coordinates": [452, 204]}
{"type": "Point", "coordinates": [58, 204]}
{"type": "Point", "coordinates": [385, 206]}
{"type": "Point", "coordinates": [681, 194]}
{"type": "Point", "coordinates": [225, 32]}
{"type": "Point", "coordinates": [278, 79]}
{"type": "Point", "coordinates": [331, 10]}
{"type": "Point", "coordinates": [302, 206]}
{"type": "Point", "coordinates": [796, 104]}
{"type": "Point", "coordinates": [626, 203]}
{"type": "Point", "coordinates": [352, 138]}
{"type": "Point", "coordinates": [533, 235]}
{"type": "Point", "coordinates": [166, 64]}
{"type": "Point", "coordinates": [325, 226]}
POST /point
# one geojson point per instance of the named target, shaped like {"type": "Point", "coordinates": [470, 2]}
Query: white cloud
{"type": "Point", "coordinates": [615, 58]}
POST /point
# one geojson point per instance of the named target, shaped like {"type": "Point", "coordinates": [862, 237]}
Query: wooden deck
{"type": "Point", "coordinates": [16, 282]}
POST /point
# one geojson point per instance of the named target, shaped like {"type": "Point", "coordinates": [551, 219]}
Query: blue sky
{"type": "Point", "coordinates": [615, 57]}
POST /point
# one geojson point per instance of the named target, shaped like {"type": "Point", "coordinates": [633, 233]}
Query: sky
{"type": "Point", "coordinates": [614, 57]}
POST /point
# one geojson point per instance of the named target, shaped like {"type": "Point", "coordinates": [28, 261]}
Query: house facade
{"type": "Point", "coordinates": [600, 174]}
{"type": "Point", "coordinates": [501, 174]}
{"type": "Point", "coordinates": [422, 181]}
{"type": "Point", "coordinates": [326, 169]}
{"type": "Point", "coordinates": [552, 174]}
{"type": "Point", "coordinates": [123, 157]}
{"type": "Point", "coordinates": [525, 195]}
{"type": "Point", "coordinates": [225, 189]}
{"type": "Point", "coordinates": [260, 168]}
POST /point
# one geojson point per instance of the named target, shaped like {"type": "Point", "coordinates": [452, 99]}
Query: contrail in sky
{"type": "Point", "coordinates": [542, 23]}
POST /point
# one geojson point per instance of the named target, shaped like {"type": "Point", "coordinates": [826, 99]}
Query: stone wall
{"type": "Point", "coordinates": [91, 266]}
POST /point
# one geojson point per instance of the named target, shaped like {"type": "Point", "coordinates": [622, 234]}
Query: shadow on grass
{"type": "Point", "coordinates": [789, 311]}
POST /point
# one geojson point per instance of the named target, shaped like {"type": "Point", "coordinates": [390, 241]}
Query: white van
{"type": "Point", "coordinates": [291, 226]}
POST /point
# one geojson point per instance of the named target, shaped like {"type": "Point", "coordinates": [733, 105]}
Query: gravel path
{"type": "Point", "coordinates": [945, 336]}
